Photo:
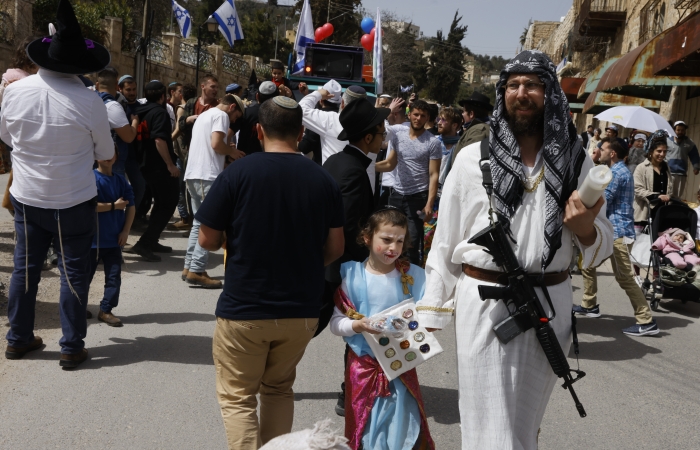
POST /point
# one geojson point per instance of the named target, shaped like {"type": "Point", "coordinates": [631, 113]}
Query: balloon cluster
{"type": "Point", "coordinates": [367, 40]}
{"type": "Point", "coordinates": [323, 32]}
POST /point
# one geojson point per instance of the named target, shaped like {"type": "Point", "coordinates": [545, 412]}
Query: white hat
{"type": "Point", "coordinates": [612, 127]}
{"type": "Point", "coordinates": [640, 136]}
{"type": "Point", "coordinates": [333, 87]}
{"type": "Point", "coordinates": [680, 122]}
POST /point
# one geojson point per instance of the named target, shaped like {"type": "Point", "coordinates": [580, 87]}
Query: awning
{"type": "Point", "coordinates": [633, 74]}
{"type": "Point", "coordinates": [678, 52]}
{"type": "Point", "coordinates": [597, 102]}
{"type": "Point", "coordinates": [576, 107]}
{"type": "Point", "coordinates": [571, 86]}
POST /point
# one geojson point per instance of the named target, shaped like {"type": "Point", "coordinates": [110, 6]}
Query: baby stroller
{"type": "Point", "coordinates": [676, 214]}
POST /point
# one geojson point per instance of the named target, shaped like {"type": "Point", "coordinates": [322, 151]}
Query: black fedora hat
{"type": "Point", "coordinates": [359, 117]}
{"type": "Point", "coordinates": [477, 99]}
{"type": "Point", "coordinates": [67, 51]}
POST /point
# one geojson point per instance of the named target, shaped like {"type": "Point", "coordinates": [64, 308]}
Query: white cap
{"type": "Point", "coordinates": [680, 122]}
{"type": "Point", "coordinates": [333, 87]}
{"type": "Point", "coordinates": [640, 136]}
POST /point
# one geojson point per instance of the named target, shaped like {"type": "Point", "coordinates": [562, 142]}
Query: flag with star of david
{"type": "Point", "coordinates": [184, 21]}
{"type": "Point", "coordinates": [229, 23]}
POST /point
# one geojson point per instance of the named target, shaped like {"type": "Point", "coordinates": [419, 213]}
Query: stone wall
{"type": "Point", "coordinates": [538, 33]}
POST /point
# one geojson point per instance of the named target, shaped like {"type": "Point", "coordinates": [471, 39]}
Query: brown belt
{"type": "Point", "coordinates": [491, 276]}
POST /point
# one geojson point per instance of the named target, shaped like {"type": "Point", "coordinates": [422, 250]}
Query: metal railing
{"type": "Point", "coordinates": [235, 65]}
{"type": "Point", "coordinates": [7, 29]}
{"type": "Point", "coordinates": [607, 5]}
{"type": "Point", "coordinates": [130, 41]}
{"type": "Point", "coordinates": [188, 55]}
{"type": "Point", "coordinates": [158, 52]}
{"type": "Point", "coordinates": [262, 70]}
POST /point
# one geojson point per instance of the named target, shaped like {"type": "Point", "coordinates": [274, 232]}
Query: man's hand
{"type": "Point", "coordinates": [325, 95]}
{"type": "Point", "coordinates": [696, 171]}
{"type": "Point", "coordinates": [236, 154]}
{"type": "Point", "coordinates": [428, 211]}
{"type": "Point", "coordinates": [580, 219]}
{"type": "Point", "coordinates": [665, 198]}
{"type": "Point", "coordinates": [174, 171]}
{"type": "Point", "coordinates": [303, 89]}
{"type": "Point", "coordinates": [412, 98]}
{"type": "Point", "coordinates": [135, 118]}
{"type": "Point", "coordinates": [285, 91]}
{"type": "Point", "coordinates": [121, 204]}
{"type": "Point", "coordinates": [190, 120]}
{"type": "Point", "coordinates": [396, 105]}
{"type": "Point", "coordinates": [123, 237]}
{"type": "Point", "coordinates": [358, 326]}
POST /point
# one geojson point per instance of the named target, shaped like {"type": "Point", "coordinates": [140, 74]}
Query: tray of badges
{"type": "Point", "coordinates": [400, 351]}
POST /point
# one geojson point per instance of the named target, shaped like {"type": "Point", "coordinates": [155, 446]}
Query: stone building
{"type": "Point", "coordinates": [472, 74]}
{"type": "Point", "coordinates": [628, 52]}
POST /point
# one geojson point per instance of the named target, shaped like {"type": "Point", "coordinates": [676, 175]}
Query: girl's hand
{"type": "Point", "coordinates": [358, 326]}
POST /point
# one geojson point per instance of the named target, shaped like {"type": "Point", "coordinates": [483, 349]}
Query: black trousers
{"type": "Point", "coordinates": [327, 306]}
{"type": "Point", "coordinates": [166, 192]}
{"type": "Point", "coordinates": [410, 205]}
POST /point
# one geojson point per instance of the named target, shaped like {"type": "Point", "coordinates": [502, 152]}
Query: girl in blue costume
{"type": "Point", "coordinates": [379, 415]}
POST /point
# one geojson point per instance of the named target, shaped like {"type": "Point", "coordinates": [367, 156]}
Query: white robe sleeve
{"type": "Point", "coordinates": [314, 119]}
{"type": "Point", "coordinates": [456, 216]}
{"type": "Point", "coordinates": [594, 254]}
{"type": "Point", "coordinates": [341, 325]}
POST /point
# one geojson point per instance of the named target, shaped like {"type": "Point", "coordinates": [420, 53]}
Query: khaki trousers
{"type": "Point", "coordinates": [676, 185]}
{"type": "Point", "coordinates": [258, 356]}
{"type": "Point", "coordinates": [624, 275]}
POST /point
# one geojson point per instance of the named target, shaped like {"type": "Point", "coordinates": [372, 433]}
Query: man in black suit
{"type": "Point", "coordinates": [587, 135]}
{"type": "Point", "coordinates": [363, 128]}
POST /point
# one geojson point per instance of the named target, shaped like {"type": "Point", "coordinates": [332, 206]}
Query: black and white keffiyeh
{"type": "Point", "coordinates": [562, 153]}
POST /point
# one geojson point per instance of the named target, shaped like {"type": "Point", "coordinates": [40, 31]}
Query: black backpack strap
{"type": "Point", "coordinates": [485, 165]}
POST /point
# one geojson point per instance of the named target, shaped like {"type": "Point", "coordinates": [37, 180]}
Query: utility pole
{"type": "Point", "coordinates": [142, 52]}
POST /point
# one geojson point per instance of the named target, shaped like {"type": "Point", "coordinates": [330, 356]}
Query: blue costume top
{"type": "Point", "coordinates": [395, 420]}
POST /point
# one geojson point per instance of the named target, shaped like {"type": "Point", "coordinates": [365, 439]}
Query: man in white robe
{"type": "Point", "coordinates": [537, 164]}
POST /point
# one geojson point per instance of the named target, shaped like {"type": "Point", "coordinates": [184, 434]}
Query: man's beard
{"type": "Point", "coordinates": [417, 129]}
{"type": "Point", "coordinates": [525, 126]}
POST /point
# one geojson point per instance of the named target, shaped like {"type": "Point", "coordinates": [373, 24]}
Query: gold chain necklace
{"type": "Point", "coordinates": [536, 183]}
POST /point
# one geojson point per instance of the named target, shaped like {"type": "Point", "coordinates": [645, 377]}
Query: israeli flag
{"type": "Point", "coordinates": [305, 35]}
{"type": "Point", "coordinates": [378, 60]}
{"type": "Point", "coordinates": [184, 21]}
{"type": "Point", "coordinates": [229, 23]}
{"type": "Point", "coordinates": [406, 89]}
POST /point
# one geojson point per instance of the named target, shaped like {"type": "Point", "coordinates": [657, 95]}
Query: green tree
{"type": "Point", "coordinates": [260, 31]}
{"type": "Point", "coordinates": [523, 35]}
{"type": "Point", "coordinates": [344, 15]}
{"type": "Point", "coordinates": [404, 64]}
{"type": "Point", "coordinates": [446, 64]}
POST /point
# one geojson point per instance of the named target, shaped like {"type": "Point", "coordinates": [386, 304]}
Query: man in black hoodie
{"type": "Point", "coordinates": [159, 170]}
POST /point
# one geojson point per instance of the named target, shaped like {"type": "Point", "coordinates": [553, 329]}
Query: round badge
{"type": "Point", "coordinates": [418, 337]}
{"type": "Point", "coordinates": [408, 314]}
{"type": "Point", "coordinates": [425, 348]}
{"type": "Point", "coordinates": [390, 352]}
{"type": "Point", "coordinates": [396, 365]}
{"type": "Point", "coordinates": [412, 325]}
{"type": "Point", "coordinates": [405, 344]}
{"type": "Point", "coordinates": [410, 356]}
{"type": "Point", "coordinates": [384, 341]}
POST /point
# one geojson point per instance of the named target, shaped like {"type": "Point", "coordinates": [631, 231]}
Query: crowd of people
{"type": "Point", "coordinates": [364, 203]}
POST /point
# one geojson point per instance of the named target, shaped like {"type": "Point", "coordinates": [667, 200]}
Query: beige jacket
{"type": "Point", "coordinates": [643, 187]}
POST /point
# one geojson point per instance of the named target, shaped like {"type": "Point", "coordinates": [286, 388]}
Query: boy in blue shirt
{"type": "Point", "coordinates": [115, 214]}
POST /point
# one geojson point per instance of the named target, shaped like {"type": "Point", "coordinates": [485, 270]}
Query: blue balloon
{"type": "Point", "coordinates": [367, 24]}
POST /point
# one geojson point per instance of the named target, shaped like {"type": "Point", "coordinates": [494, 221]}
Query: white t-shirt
{"type": "Point", "coordinates": [116, 115]}
{"type": "Point", "coordinates": [203, 163]}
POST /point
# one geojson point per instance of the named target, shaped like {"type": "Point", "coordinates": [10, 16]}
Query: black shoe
{"type": "Point", "coordinates": [88, 314]}
{"type": "Point", "coordinates": [159, 248]}
{"type": "Point", "coordinates": [340, 406]}
{"type": "Point", "coordinates": [145, 252]}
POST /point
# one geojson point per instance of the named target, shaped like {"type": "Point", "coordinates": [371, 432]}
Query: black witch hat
{"type": "Point", "coordinates": [67, 51]}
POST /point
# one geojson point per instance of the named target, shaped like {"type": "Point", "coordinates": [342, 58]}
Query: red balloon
{"type": "Point", "coordinates": [367, 42]}
{"type": "Point", "coordinates": [371, 33]}
{"type": "Point", "coordinates": [327, 30]}
{"type": "Point", "coordinates": [318, 34]}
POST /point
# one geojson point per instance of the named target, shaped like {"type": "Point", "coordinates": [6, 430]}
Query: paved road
{"type": "Point", "coordinates": [150, 384]}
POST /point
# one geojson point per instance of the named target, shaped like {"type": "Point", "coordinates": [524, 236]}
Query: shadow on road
{"type": "Point", "coordinates": [165, 318]}
{"type": "Point", "coordinates": [441, 404]}
{"type": "Point", "coordinates": [299, 396]}
{"type": "Point", "coordinates": [620, 347]}
{"type": "Point", "coordinates": [170, 349]}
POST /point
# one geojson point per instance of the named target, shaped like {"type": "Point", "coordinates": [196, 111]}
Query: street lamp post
{"type": "Point", "coordinates": [212, 25]}
{"type": "Point", "coordinates": [277, 33]}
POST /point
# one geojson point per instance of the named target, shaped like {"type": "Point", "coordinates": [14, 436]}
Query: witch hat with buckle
{"type": "Point", "coordinates": [67, 51]}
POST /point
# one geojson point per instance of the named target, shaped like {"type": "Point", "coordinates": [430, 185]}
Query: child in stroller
{"type": "Point", "coordinates": [678, 247]}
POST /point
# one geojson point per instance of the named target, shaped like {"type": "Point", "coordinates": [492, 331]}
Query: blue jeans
{"type": "Point", "coordinates": [136, 179]}
{"type": "Point", "coordinates": [182, 202]}
{"type": "Point", "coordinates": [112, 260]}
{"type": "Point", "coordinates": [410, 205]}
{"type": "Point", "coordinates": [36, 228]}
{"type": "Point", "coordinates": [196, 257]}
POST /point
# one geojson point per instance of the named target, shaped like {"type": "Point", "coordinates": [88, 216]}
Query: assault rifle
{"type": "Point", "coordinates": [524, 306]}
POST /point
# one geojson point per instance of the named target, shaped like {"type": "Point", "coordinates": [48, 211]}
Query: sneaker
{"type": "Point", "coordinates": [180, 225]}
{"type": "Point", "coordinates": [647, 329]}
{"type": "Point", "coordinates": [184, 274]}
{"type": "Point", "coordinates": [145, 252]}
{"type": "Point", "coordinates": [203, 280]}
{"type": "Point", "coordinates": [72, 361]}
{"type": "Point", "coordinates": [588, 312]}
{"type": "Point", "coordinates": [19, 352]}
{"type": "Point", "coordinates": [109, 318]}
{"type": "Point", "coordinates": [128, 249]}
{"type": "Point", "coordinates": [340, 406]}
{"type": "Point", "coordinates": [159, 248]}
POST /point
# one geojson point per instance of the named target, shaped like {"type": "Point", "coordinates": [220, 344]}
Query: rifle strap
{"type": "Point", "coordinates": [487, 180]}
